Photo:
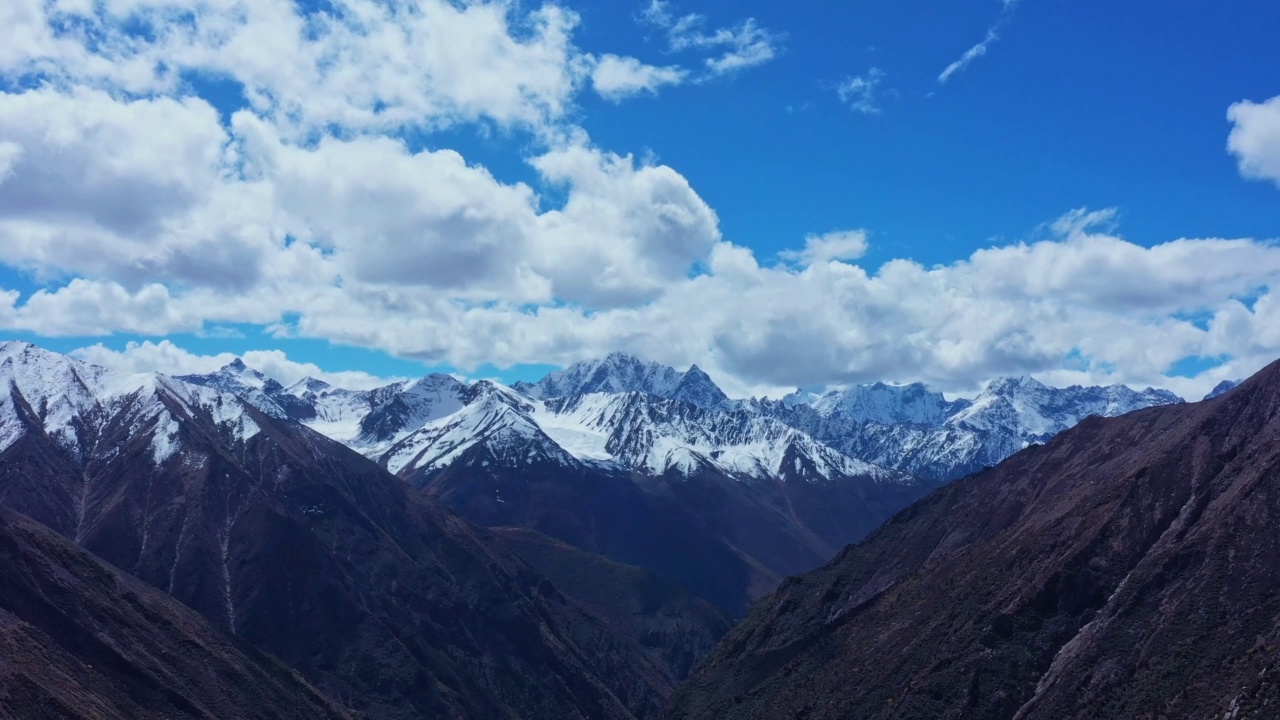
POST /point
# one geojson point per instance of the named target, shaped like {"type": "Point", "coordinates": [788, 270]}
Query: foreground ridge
{"type": "Point", "coordinates": [1124, 569]}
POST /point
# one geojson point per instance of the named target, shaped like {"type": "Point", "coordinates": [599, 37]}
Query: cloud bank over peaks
{"type": "Point", "coordinates": [132, 203]}
{"type": "Point", "coordinates": [166, 357]}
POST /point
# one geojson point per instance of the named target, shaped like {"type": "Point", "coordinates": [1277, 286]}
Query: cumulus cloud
{"type": "Point", "coordinates": [99, 186]}
{"type": "Point", "coordinates": [362, 63]}
{"type": "Point", "coordinates": [1020, 308]}
{"type": "Point", "coordinates": [732, 48]}
{"type": "Point", "coordinates": [170, 359]}
{"type": "Point", "coordinates": [626, 231]}
{"type": "Point", "coordinates": [616, 78]}
{"type": "Point", "coordinates": [1255, 138]}
{"type": "Point", "coordinates": [841, 245]}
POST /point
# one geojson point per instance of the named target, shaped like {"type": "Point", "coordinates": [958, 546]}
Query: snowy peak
{"type": "Point", "coordinates": [308, 385]}
{"type": "Point", "coordinates": [623, 373]}
{"type": "Point", "coordinates": [402, 408]}
{"type": "Point", "coordinates": [638, 431]}
{"type": "Point", "coordinates": [912, 404]}
{"type": "Point", "coordinates": [490, 420]}
{"type": "Point", "coordinates": [697, 388]}
{"type": "Point", "coordinates": [1222, 388]}
{"type": "Point", "coordinates": [616, 373]}
{"type": "Point", "coordinates": [913, 430]}
{"type": "Point", "coordinates": [1035, 411]}
{"type": "Point", "coordinates": [237, 374]}
{"type": "Point", "coordinates": [252, 386]}
{"type": "Point", "coordinates": [87, 409]}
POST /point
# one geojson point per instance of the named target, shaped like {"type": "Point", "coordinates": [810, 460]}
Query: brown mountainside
{"type": "Point", "coordinates": [676, 627]}
{"type": "Point", "coordinates": [81, 639]}
{"type": "Point", "coordinates": [1129, 568]}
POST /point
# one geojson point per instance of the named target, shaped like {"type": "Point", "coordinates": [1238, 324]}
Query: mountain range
{"type": "Point", "coordinates": [612, 520]}
{"type": "Point", "coordinates": [611, 413]}
{"type": "Point", "coordinates": [607, 454]}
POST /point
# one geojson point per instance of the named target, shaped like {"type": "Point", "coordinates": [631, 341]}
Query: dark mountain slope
{"type": "Point", "coordinates": [1126, 569]}
{"type": "Point", "coordinates": [383, 599]}
{"type": "Point", "coordinates": [676, 627]}
{"type": "Point", "coordinates": [79, 639]}
{"type": "Point", "coordinates": [606, 513]}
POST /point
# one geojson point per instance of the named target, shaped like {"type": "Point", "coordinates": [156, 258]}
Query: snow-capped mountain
{"type": "Point", "coordinates": [644, 417]}
{"type": "Point", "coordinates": [912, 404]}
{"type": "Point", "coordinates": [488, 415]}
{"type": "Point", "coordinates": [659, 435]}
{"type": "Point", "coordinates": [621, 373]}
{"type": "Point", "coordinates": [618, 413]}
{"type": "Point", "coordinates": [1222, 388]}
{"type": "Point", "coordinates": [721, 498]}
{"type": "Point", "coordinates": [84, 408]}
{"type": "Point", "coordinates": [779, 486]}
{"type": "Point", "coordinates": [263, 392]}
{"type": "Point", "coordinates": [629, 431]}
{"type": "Point", "coordinates": [916, 431]}
{"type": "Point", "coordinates": [368, 420]}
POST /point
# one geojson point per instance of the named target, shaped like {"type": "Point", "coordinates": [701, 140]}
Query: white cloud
{"type": "Point", "coordinates": [977, 51]}
{"type": "Point", "coordinates": [616, 78]}
{"type": "Point", "coordinates": [143, 210]}
{"type": "Point", "coordinates": [840, 245]}
{"type": "Point", "coordinates": [1255, 138]}
{"type": "Point", "coordinates": [136, 194]}
{"type": "Point", "coordinates": [1028, 307]}
{"type": "Point", "coordinates": [969, 56]}
{"type": "Point", "coordinates": [626, 231]}
{"type": "Point", "coordinates": [170, 359]}
{"type": "Point", "coordinates": [364, 63]}
{"type": "Point", "coordinates": [97, 186]}
{"type": "Point", "coordinates": [862, 93]}
{"type": "Point", "coordinates": [1013, 309]}
{"type": "Point", "coordinates": [735, 47]}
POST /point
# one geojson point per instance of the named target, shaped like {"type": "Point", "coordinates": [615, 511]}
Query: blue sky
{"type": "Point", "coordinates": [1076, 146]}
{"type": "Point", "coordinates": [1083, 104]}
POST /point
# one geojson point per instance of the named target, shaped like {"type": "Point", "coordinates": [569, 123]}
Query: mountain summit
{"type": "Point", "coordinates": [621, 373]}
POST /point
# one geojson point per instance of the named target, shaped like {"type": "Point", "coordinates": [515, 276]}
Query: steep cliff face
{"type": "Point", "coordinates": [1125, 569]}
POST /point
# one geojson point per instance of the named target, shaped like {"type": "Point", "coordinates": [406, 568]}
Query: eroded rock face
{"type": "Point", "coordinates": [1125, 569]}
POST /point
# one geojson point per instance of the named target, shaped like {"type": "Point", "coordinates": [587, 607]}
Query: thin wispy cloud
{"type": "Point", "coordinates": [979, 50]}
{"type": "Point", "coordinates": [736, 47]}
{"type": "Point", "coordinates": [862, 93]}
